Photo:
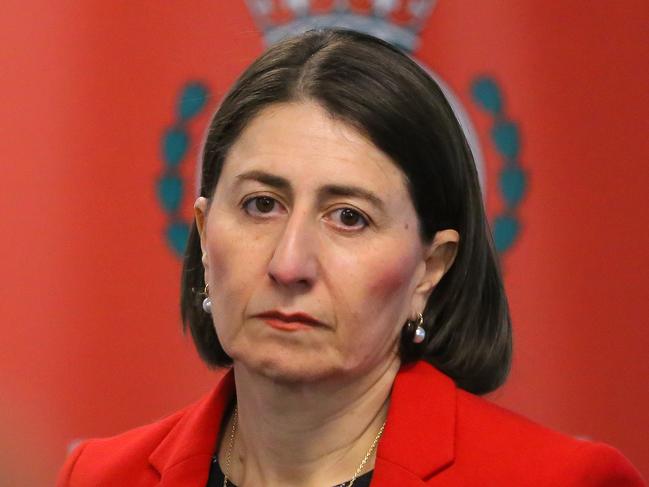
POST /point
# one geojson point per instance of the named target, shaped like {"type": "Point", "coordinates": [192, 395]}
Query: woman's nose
{"type": "Point", "coordinates": [294, 260]}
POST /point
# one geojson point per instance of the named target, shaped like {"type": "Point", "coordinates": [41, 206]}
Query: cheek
{"type": "Point", "coordinates": [226, 274]}
{"type": "Point", "coordinates": [217, 258]}
{"type": "Point", "coordinates": [226, 250]}
{"type": "Point", "coordinates": [391, 278]}
{"type": "Point", "coordinates": [378, 296]}
{"type": "Point", "coordinates": [377, 301]}
{"type": "Point", "coordinates": [388, 281]}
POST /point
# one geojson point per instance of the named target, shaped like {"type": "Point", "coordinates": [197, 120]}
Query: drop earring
{"type": "Point", "coordinates": [420, 332]}
{"type": "Point", "coordinates": [207, 302]}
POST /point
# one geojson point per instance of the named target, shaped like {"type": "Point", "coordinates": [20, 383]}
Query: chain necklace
{"type": "Point", "coordinates": [233, 432]}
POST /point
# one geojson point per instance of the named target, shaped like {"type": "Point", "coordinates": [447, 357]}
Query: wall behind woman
{"type": "Point", "coordinates": [92, 133]}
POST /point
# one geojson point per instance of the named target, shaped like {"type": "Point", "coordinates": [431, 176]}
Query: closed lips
{"type": "Point", "coordinates": [292, 317]}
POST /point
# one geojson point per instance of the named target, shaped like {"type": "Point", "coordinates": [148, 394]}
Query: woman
{"type": "Point", "coordinates": [341, 266]}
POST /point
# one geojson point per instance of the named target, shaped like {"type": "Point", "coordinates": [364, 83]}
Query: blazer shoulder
{"type": "Point", "coordinates": [597, 465]}
{"type": "Point", "coordinates": [124, 454]}
{"type": "Point", "coordinates": [517, 446]}
{"type": "Point", "coordinates": [480, 419]}
{"type": "Point", "coordinates": [182, 442]}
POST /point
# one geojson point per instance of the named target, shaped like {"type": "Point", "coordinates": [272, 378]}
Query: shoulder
{"type": "Point", "coordinates": [104, 461]}
{"type": "Point", "coordinates": [449, 437]}
{"type": "Point", "coordinates": [180, 445]}
{"type": "Point", "coordinates": [509, 445]}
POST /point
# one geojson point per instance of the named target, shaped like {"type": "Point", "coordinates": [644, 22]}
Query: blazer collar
{"type": "Point", "coordinates": [420, 430]}
{"type": "Point", "coordinates": [419, 435]}
{"type": "Point", "coordinates": [183, 456]}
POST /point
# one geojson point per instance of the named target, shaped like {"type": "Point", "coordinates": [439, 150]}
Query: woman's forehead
{"type": "Point", "coordinates": [301, 142]}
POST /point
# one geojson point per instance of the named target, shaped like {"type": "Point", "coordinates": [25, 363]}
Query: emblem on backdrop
{"type": "Point", "coordinates": [398, 22]}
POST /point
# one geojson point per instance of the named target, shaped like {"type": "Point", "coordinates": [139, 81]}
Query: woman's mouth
{"type": "Point", "coordinates": [289, 321]}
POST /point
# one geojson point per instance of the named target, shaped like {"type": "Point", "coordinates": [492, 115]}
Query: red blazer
{"type": "Point", "coordinates": [436, 435]}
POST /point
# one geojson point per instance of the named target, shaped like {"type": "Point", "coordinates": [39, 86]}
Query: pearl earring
{"type": "Point", "coordinates": [420, 332]}
{"type": "Point", "coordinates": [207, 302]}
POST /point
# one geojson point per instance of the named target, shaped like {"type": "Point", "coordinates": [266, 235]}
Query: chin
{"type": "Point", "coordinates": [288, 366]}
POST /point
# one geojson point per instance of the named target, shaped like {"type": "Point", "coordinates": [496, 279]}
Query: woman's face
{"type": "Point", "coordinates": [310, 217]}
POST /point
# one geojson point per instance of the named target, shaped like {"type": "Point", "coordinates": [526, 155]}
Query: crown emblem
{"type": "Point", "coordinates": [395, 21]}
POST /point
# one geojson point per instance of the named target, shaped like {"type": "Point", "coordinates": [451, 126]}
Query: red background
{"type": "Point", "coordinates": [91, 342]}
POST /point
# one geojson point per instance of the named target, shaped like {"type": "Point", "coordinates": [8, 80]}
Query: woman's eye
{"type": "Point", "coordinates": [259, 205]}
{"type": "Point", "coordinates": [350, 218]}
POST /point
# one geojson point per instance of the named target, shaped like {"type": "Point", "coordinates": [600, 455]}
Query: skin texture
{"type": "Point", "coordinates": [312, 398]}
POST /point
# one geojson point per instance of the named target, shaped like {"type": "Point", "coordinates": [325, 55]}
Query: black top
{"type": "Point", "coordinates": [216, 477]}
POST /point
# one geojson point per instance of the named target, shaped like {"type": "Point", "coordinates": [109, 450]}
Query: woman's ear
{"type": "Point", "coordinates": [439, 256]}
{"type": "Point", "coordinates": [200, 212]}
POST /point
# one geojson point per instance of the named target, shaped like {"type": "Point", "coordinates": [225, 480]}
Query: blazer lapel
{"type": "Point", "coordinates": [419, 437]}
{"type": "Point", "coordinates": [418, 441]}
{"type": "Point", "coordinates": [183, 457]}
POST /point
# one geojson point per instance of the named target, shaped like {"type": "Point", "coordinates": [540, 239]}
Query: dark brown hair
{"type": "Point", "coordinates": [376, 88]}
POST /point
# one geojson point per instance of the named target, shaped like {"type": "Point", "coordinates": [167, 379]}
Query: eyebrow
{"type": "Point", "coordinates": [325, 191]}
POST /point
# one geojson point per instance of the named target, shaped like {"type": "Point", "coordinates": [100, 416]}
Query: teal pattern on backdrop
{"type": "Point", "coordinates": [176, 142]}
{"type": "Point", "coordinates": [512, 179]}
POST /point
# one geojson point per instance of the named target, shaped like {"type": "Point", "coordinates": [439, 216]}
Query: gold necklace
{"type": "Point", "coordinates": [235, 418]}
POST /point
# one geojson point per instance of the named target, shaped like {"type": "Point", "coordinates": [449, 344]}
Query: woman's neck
{"type": "Point", "coordinates": [306, 434]}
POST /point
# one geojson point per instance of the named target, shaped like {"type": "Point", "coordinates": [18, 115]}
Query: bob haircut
{"type": "Point", "coordinates": [369, 84]}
